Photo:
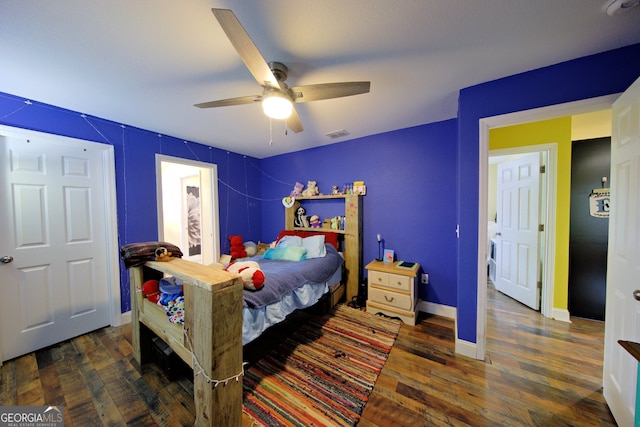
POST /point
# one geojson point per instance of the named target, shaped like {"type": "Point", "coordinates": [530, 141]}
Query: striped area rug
{"type": "Point", "coordinates": [323, 374]}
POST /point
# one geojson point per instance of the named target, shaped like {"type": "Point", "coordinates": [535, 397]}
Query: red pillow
{"type": "Point", "coordinates": [329, 237]}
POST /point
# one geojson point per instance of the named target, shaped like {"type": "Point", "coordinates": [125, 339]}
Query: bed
{"type": "Point", "coordinates": [221, 316]}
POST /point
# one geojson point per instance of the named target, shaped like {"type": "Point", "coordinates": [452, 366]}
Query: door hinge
{"type": "Point", "coordinates": [543, 168]}
{"type": "Point", "coordinates": [541, 227]}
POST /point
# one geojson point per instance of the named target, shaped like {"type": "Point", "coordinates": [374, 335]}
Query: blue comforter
{"type": "Point", "coordinates": [282, 277]}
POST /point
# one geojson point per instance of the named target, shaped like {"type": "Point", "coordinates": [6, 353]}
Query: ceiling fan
{"type": "Point", "coordinates": [277, 97]}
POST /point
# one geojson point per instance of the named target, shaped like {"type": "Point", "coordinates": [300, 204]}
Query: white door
{"type": "Point", "coordinates": [518, 201]}
{"type": "Point", "coordinates": [622, 317]}
{"type": "Point", "coordinates": [53, 277]}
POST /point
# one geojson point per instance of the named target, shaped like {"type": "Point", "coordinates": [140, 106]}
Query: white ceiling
{"type": "Point", "coordinates": [144, 63]}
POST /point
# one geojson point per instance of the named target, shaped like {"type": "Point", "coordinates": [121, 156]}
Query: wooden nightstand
{"type": "Point", "coordinates": [393, 291]}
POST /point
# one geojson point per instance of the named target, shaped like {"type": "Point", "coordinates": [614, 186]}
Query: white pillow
{"type": "Point", "coordinates": [289, 241]}
{"type": "Point", "coordinates": [315, 246]}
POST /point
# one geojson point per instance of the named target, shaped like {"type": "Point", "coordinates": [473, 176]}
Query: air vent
{"type": "Point", "coordinates": [337, 134]}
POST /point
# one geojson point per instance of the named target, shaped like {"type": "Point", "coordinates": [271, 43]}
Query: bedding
{"type": "Point", "coordinates": [257, 320]}
{"type": "Point", "coordinates": [329, 237]}
{"type": "Point", "coordinates": [282, 277]}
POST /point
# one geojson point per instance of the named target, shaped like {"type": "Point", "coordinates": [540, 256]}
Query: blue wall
{"type": "Point", "coordinates": [135, 151]}
{"type": "Point", "coordinates": [410, 176]}
{"type": "Point", "coordinates": [597, 75]}
{"type": "Point", "coordinates": [421, 181]}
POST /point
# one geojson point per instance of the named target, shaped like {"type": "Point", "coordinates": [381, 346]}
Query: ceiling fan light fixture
{"type": "Point", "coordinates": [277, 106]}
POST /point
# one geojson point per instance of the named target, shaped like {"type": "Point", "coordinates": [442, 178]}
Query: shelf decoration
{"type": "Point", "coordinates": [388, 255]}
{"type": "Point", "coordinates": [359, 188]}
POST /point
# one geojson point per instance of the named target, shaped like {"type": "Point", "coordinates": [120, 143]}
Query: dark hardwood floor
{"type": "Point", "coordinates": [538, 372]}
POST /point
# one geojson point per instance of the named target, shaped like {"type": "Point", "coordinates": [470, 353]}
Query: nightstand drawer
{"type": "Point", "coordinates": [391, 281]}
{"type": "Point", "coordinates": [391, 299]}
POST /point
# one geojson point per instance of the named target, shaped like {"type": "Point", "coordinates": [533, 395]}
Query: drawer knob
{"type": "Point", "coordinates": [389, 299]}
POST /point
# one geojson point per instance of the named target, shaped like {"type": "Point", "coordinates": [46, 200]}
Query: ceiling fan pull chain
{"type": "Point", "coordinates": [270, 132]}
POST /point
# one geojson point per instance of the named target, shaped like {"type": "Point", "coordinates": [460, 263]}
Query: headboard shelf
{"type": "Point", "coordinates": [352, 234]}
{"type": "Point", "coordinates": [326, 196]}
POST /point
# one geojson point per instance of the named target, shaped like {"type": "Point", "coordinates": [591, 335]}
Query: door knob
{"type": "Point", "coordinates": [6, 259]}
{"type": "Point", "coordinates": [498, 234]}
{"type": "Point", "coordinates": [636, 294]}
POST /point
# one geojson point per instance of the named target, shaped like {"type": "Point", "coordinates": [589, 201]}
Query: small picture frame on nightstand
{"type": "Point", "coordinates": [388, 255]}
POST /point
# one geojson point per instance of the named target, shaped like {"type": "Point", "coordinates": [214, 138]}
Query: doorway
{"type": "Point", "coordinates": [486, 124]}
{"type": "Point", "coordinates": [188, 207]}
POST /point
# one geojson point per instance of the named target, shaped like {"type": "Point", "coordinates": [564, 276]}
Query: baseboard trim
{"type": "Point", "coordinates": [437, 309]}
{"type": "Point", "coordinates": [466, 348]}
{"type": "Point", "coordinates": [561, 314]}
{"type": "Point", "coordinates": [123, 319]}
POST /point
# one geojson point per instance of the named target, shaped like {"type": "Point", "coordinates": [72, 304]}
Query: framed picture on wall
{"type": "Point", "coordinates": [192, 204]}
{"type": "Point", "coordinates": [388, 255]}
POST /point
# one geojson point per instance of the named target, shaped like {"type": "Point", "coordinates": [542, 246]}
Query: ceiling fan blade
{"type": "Point", "coordinates": [294, 122]}
{"type": "Point", "coordinates": [321, 91]}
{"type": "Point", "coordinates": [231, 101]}
{"type": "Point", "coordinates": [245, 47]}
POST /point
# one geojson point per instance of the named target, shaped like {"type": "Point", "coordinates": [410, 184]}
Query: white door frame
{"type": "Point", "coordinates": [212, 216]}
{"type": "Point", "coordinates": [485, 124]}
{"type": "Point", "coordinates": [111, 218]}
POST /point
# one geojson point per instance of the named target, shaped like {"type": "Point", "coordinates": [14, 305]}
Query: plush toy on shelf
{"type": "Point", "coordinates": [314, 221]}
{"type": "Point", "coordinates": [335, 223]}
{"type": "Point", "coordinates": [151, 290]}
{"type": "Point", "coordinates": [237, 247]}
{"type": "Point", "coordinates": [301, 220]}
{"type": "Point", "coordinates": [297, 189]}
{"type": "Point", "coordinates": [249, 271]}
{"type": "Point", "coordinates": [162, 254]}
{"type": "Point", "coordinates": [311, 190]}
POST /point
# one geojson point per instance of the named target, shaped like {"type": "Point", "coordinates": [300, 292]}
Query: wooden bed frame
{"type": "Point", "coordinates": [211, 339]}
{"type": "Point", "coordinates": [212, 332]}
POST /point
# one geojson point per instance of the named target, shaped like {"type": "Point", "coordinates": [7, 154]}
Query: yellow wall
{"type": "Point", "coordinates": [546, 132]}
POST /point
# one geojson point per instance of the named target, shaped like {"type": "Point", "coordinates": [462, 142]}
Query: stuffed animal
{"type": "Point", "coordinates": [237, 247]}
{"type": "Point", "coordinates": [297, 189]}
{"type": "Point", "coordinates": [161, 254]}
{"type": "Point", "coordinates": [251, 248]}
{"type": "Point", "coordinates": [314, 221]}
{"type": "Point", "coordinates": [312, 189]}
{"type": "Point", "coordinates": [151, 290]}
{"type": "Point", "coordinates": [249, 271]}
{"type": "Point", "coordinates": [301, 220]}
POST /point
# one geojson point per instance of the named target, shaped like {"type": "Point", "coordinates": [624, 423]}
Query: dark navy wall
{"type": "Point", "coordinates": [135, 151]}
{"type": "Point", "coordinates": [410, 176]}
{"type": "Point", "coordinates": [597, 75]}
